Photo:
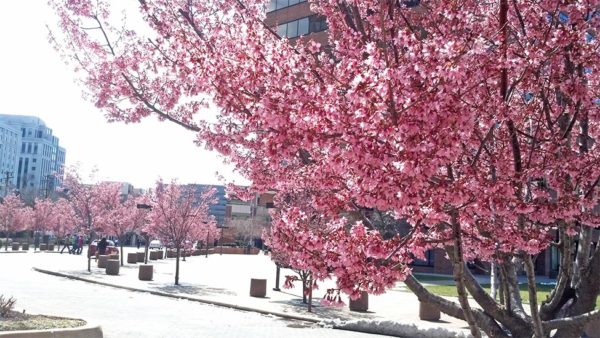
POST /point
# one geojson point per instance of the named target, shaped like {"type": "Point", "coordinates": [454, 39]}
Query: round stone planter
{"type": "Point", "coordinates": [43, 247]}
{"type": "Point", "coordinates": [15, 246]}
{"type": "Point", "coordinates": [153, 256]}
{"type": "Point", "coordinates": [146, 272]}
{"type": "Point", "coordinates": [258, 287]}
{"type": "Point", "coordinates": [140, 257]}
{"type": "Point", "coordinates": [102, 261]}
{"type": "Point", "coordinates": [132, 258]}
{"type": "Point", "coordinates": [25, 247]}
{"type": "Point", "coordinates": [361, 304]}
{"type": "Point", "coordinates": [113, 256]}
{"type": "Point", "coordinates": [112, 267]}
{"type": "Point", "coordinates": [428, 312]}
{"type": "Point", "coordinates": [50, 247]}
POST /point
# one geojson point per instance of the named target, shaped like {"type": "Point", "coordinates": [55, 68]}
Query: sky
{"type": "Point", "coordinates": [35, 81]}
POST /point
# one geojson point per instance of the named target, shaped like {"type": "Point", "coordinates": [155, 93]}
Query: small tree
{"type": "Point", "coordinates": [64, 220]}
{"type": "Point", "coordinates": [12, 216]}
{"type": "Point", "coordinates": [177, 215]}
{"type": "Point", "coordinates": [42, 216]}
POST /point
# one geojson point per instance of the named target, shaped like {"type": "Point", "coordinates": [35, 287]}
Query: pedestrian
{"type": "Point", "coordinates": [79, 244]}
{"type": "Point", "coordinates": [138, 242]}
{"type": "Point", "coordinates": [73, 244]}
{"type": "Point", "coordinates": [66, 244]}
{"type": "Point", "coordinates": [102, 246]}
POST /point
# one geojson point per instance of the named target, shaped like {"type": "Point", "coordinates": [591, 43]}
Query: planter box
{"type": "Point", "coordinates": [50, 247]}
{"type": "Point", "coordinates": [132, 258]}
{"type": "Point", "coordinates": [160, 254]}
{"type": "Point", "coordinates": [112, 267]}
{"type": "Point", "coordinates": [15, 246]}
{"type": "Point", "coordinates": [429, 312]}
{"type": "Point", "coordinates": [361, 304]}
{"type": "Point", "coordinates": [25, 247]}
{"type": "Point", "coordinates": [146, 272]}
{"type": "Point", "coordinates": [153, 255]}
{"type": "Point", "coordinates": [258, 287]}
{"type": "Point", "coordinates": [113, 256]}
{"type": "Point", "coordinates": [102, 261]}
{"type": "Point", "coordinates": [43, 247]}
{"type": "Point", "coordinates": [141, 256]}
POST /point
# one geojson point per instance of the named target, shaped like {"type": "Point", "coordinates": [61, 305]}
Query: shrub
{"type": "Point", "coordinates": [6, 305]}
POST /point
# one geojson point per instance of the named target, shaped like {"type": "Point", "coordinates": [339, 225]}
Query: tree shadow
{"type": "Point", "coordinates": [195, 290]}
{"type": "Point", "coordinates": [324, 312]}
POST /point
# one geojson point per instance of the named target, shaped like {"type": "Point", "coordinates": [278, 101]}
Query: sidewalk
{"type": "Point", "coordinates": [225, 280]}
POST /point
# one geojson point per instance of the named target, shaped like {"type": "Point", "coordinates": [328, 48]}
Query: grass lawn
{"type": "Point", "coordinates": [424, 278]}
{"type": "Point", "coordinates": [542, 291]}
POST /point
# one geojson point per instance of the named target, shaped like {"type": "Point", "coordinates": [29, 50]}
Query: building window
{"type": "Point", "coordinates": [29, 148]}
{"type": "Point", "coordinates": [279, 4]}
{"type": "Point", "coordinates": [304, 26]}
{"type": "Point", "coordinates": [22, 148]}
{"type": "Point", "coordinates": [32, 168]}
{"type": "Point", "coordinates": [35, 148]}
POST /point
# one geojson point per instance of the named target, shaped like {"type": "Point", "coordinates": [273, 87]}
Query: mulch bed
{"type": "Point", "coordinates": [16, 321]}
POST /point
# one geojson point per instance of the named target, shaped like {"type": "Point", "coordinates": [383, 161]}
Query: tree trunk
{"type": "Point", "coordinates": [177, 267]}
{"type": "Point", "coordinates": [146, 248]}
{"type": "Point", "coordinates": [121, 255]}
{"type": "Point", "coordinates": [533, 304]}
{"type": "Point", "coordinates": [90, 250]}
{"type": "Point", "coordinates": [493, 280]}
{"type": "Point", "coordinates": [310, 293]}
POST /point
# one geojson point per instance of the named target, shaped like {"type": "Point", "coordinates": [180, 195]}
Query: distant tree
{"type": "Point", "coordinates": [65, 220]}
{"type": "Point", "coordinates": [178, 216]}
{"type": "Point", "coordinates": [42, 215]}
{"type": "Point", "coordinates": [13, 215]}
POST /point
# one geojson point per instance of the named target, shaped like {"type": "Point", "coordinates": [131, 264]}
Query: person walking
{"type": "Point", "coordinates": [79, 244]}
{"type": "Point", "coordinates": [102, 246]}
{"type": "Point", "coordinates": [73, 244]}
{"type": "Point", "coordinates": [66, 244]}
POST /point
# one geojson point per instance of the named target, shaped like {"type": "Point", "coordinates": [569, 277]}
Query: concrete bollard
{"type": "Point", "coordinates": [26, 247]}
{"type": "Point", "coordinates": [15, 246]}
{"type": "Point", "coordinates": [428, 312]}
{"type": "Point", "coordinates": [140, 257]}
{"type": "Point", "coordinates": [43, 247]}
{"type": "Point", "coordinates": [132, 258]}
{"type": "Point", "coordinates": [361, 304]}
{"type": "Point", "coordinates": [50, 247]}
{"type": "Point", "coordinates": [258, 287]}
{"type": "Point", "coordinates": [146, 272]}
{"type": "Point", "coordinates": [112, 267]}
{"type": "Point", "coordinates": [102, 261]}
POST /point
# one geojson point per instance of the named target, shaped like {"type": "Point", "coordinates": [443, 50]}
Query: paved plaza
{"type": "Point", "coordinates": [216, 278]}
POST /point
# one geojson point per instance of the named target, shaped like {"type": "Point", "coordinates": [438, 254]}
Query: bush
{"type": "Point", "coordinates": [6, 306]}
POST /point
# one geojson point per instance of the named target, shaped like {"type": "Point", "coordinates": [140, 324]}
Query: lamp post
{"type": "Point", "coordinates": [277, 270]}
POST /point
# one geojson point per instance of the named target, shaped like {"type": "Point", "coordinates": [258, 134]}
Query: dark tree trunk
{"type": "Point", "coordinates": [177, 267]}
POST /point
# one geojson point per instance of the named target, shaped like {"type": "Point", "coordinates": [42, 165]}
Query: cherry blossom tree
{"type": "Point", "coordinates": [117, 212]}
{"type": "Point", "coordinates": [85, 201]}
{"type": "Point", "coordinates": [12, 216]}
{"type": "Point", "coordinates": [42, 216]}
{"type": "Point", "coordinates": [473, 121]}
{"type": "Point", "coordinates": [64, 221]}
{"type": "Point", "coordinates": [178, 215]}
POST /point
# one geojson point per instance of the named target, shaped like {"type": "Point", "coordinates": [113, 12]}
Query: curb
{"type": "Point", "coordinates": [86, 331]}
{"type": "Point", "coordinates": [18, 251]}
{"type": "Point", "coordinates": [194, 299]}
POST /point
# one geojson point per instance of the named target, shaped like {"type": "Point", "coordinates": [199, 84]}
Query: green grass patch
{"type": "Point", "coordinates": [432, 278]}
{"type": "Point", "coordinates": [543, 291]}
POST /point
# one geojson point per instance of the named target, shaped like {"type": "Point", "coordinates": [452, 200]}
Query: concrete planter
{"type": "Point", "coordinates": [25, 247]}
{"type": "Point", "coordinates": [15, 246]}
{"type": "Point", "coordinates": [429, 312]}
{"type": "Point", "coordinates": [140, 257]}
{"type": "Point", "coordinates": [43, 247]}
{"type": "Point", "coordinates": [196, 253]}
{"type": "Point", "coordinates": [132, 258]}
{"type": "Point", "coordinates": [50, 247]}
{"type": "Point", "coordinates": [171, 254]}
{"type": "Point", "coordinates": [146, 272]}
{"type": "Point", "coordinates": [102, 261]}
{"type": "Point", "coordinates": [258, 287]}
{"type": "Point", "coordinates": [87, 331]}
{"type": "Point", "coordinates": [112, 267]}
{"type": "Point", "coordinates": [153, 256]}
{"type": "Point", "coordinates": [113, 256]}
{"type": "Point", "coordinates": [361, 304]}
{"type": "Point", "coordinates": [160, 254]}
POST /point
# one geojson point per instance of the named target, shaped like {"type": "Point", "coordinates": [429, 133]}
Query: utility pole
{"type": "Point", "coordinates": [8, 175]}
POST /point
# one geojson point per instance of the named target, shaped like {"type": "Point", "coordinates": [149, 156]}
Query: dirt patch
{"type": "Point", "coordinates": [16, 321]}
